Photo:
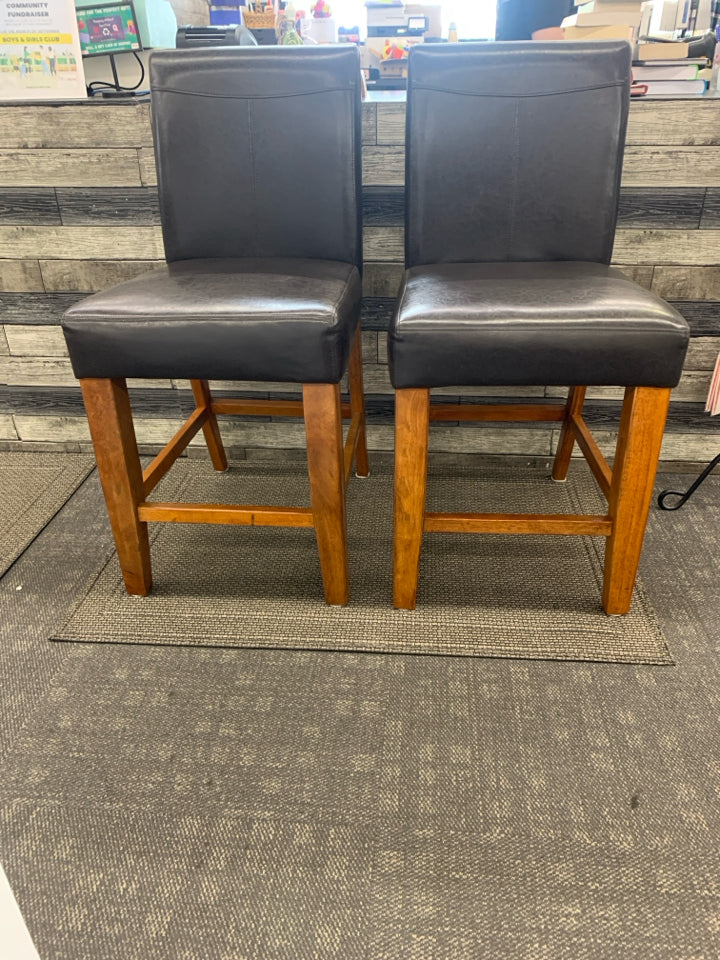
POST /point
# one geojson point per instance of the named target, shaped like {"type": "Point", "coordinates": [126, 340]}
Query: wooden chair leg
{"type": "Point", "coordinates": [636, 458]}
{"type": "Point", "coordinates": [412, 424]}
{"type": "Point", "coordinates": [357, 405]}
{"type": "Point", "coordinates": [323, 427]}
{"type": "Point", "coordinates": [211, 430]}
{"type": "Point", "coordinates": [113, 435]}
{"type": "Point", "coordinates": [575, 400]}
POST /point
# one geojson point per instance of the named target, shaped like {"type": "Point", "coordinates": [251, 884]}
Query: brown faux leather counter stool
{"type": "Point", "coordinates": [258, 160]}
{"type": "Point", "coordinates": [514, 154]}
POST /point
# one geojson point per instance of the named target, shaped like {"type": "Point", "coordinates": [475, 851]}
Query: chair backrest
{"type": "Point", "coordinates": [514, 151]}
{"type": "Point", "coordinates": [258, 152]}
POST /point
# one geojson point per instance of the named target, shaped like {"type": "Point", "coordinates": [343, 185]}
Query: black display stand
{"type": "Point", "coordinates": [114, 89]}
{"type": "Point", "coordinates": [684, 497]}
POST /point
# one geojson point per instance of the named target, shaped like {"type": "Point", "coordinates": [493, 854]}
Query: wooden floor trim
{"type": "Point", "coordinates": [551, 523]}
{"type": "Point", "coordinates": [239, 514]}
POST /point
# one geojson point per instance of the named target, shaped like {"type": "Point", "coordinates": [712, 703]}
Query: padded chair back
{"type": "Point", "coordinates": [514, 154]}
{"type": "Point", "coordinates": [258, 152]}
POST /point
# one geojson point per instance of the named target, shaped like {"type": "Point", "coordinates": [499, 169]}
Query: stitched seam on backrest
{"type": "Point", "coordinates": [252, 96]}
{"type": "Point", "coordinates": [515, 160]}
{"type": "Point", "coordinates": [253, 187]}
{"type": "Point", "coordinates": [514, 96]}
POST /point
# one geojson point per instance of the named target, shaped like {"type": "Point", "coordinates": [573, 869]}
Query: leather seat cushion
{"type": "Point", "coordinates": [550, 323]}
{"type": "Point", "coordinates": [243, 319]}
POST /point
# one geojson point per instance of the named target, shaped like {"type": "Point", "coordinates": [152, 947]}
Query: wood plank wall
{"type": "Point", "coordinates": [78, 212]}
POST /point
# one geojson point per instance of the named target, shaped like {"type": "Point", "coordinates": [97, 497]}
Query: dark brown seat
{"type": "Point", "coordinates": [508, 241]}
{"type": "Point", "coordinates": [258, 160]}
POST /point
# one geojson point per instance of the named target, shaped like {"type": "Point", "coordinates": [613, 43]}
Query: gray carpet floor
{"type": "Point", "coordinates": [33, 487]}
{"type": "Point", "coordinates": [233, 803]}
{"type": "Point", "coordinates": [507, 596]}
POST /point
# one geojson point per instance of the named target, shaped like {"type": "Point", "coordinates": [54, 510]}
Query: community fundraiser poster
{"type": "Point", "coordinates": [40, 51]}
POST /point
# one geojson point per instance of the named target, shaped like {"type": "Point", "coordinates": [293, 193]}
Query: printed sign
{"type": "Point", "coordinates": [107, 29]}
{"type": "Point", "coordinates": [40, 51]}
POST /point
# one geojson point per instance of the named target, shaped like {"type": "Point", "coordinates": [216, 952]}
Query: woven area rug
{"type": "Point", "coordinates": [502, 596]}
{"type": "Point", "coordinates": [33, 487]}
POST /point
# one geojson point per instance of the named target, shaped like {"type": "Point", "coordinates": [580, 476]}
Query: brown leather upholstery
{"type": "Point", "coordinates": [524, 207]}
{"type": "Point", "coordinates": [258, 160]}
{"type": "Point", "coordinates": [270, 319]}
{"type": "Point", "coordinates": [514, 151]}
{"type": "Point", "coordinates": [252, 166]}
{"type": "Point", "coordinates": [554, 323]}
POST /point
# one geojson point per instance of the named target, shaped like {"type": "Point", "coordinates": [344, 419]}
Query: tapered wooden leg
{"type": "Point", "coordinates": [575, 400]}
{"type": "Point", "coordinates": [357, 405]}
{"type": "Point", "coordinates": [113, 435]}
{"type": "Point", "coordinates": [636, 458]}
{"type": "Point", "coordinates": [323, 427]}
{"type": "Point", "coordinates": [412, 423]}
{"type": "Point", "coordinates": [211, 430]}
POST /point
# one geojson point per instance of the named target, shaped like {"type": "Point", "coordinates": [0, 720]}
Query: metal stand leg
{"type": "Point", "coordinates": [684, 497]}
